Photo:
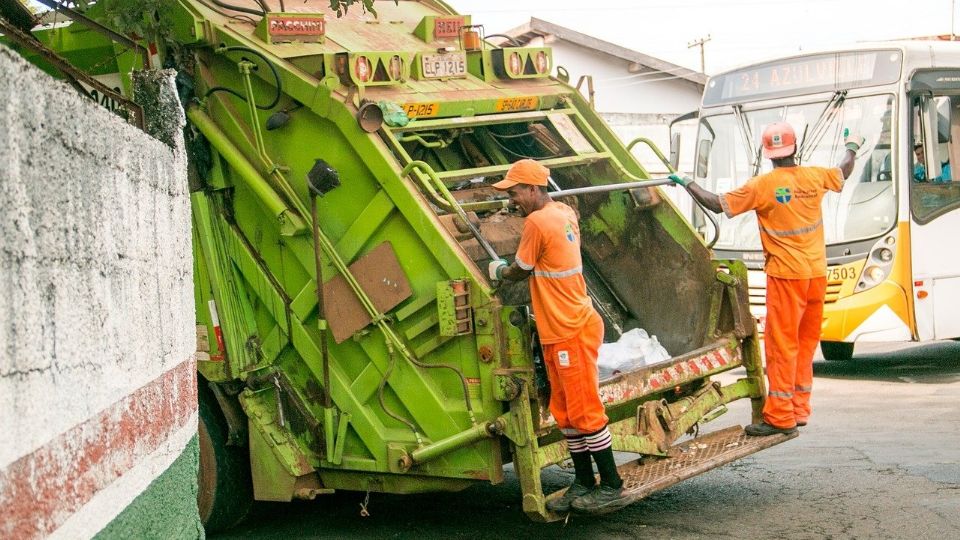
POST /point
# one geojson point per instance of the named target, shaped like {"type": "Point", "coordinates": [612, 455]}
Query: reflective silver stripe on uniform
{"type": "Point", "coordinates": [784, 395]}
{"type": "Point", "coordinates": [806, 389]}
{"type": "Point", "coordinates": [794, 232]}
{"type": "Point", "coordinates": [570, 431]}
{"type": "Point", "coordinates": [522, 264]}
{"type": "Point", "coordinates": [556, 275]}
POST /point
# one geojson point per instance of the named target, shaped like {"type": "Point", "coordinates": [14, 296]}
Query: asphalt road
{"type": "Point", "coordinates": [880, 459]}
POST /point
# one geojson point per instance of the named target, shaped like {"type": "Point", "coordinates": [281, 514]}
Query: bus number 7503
{"type": "Point", "coordinates": [841, 273]}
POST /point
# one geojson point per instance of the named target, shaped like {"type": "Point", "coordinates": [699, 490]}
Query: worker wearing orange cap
{"type": "Point", "coordinates": [787, 203]}
{"type": "Point", "coordinates": [570, 331]}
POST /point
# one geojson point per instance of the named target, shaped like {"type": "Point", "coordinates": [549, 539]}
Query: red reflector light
{"type": "Point", "coordinates": [543, 65]}
{"type": "Point", "coordinates": [362, 69]}
{"type": "Point", "coordinates": [396, 68]}
{"type": "Point", "coordinates": [516, 65]}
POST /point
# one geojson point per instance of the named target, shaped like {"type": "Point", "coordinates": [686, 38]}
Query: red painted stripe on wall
{"type": "Point", "coordinates": [39, 491]}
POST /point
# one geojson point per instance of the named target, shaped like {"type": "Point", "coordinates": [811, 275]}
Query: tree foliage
{"type": "Point", "coordinates": [341, 6]}
{"type": "Point", "coordinates": [139, 17]}
{"type": "Point", "coordinates": [146, 18]}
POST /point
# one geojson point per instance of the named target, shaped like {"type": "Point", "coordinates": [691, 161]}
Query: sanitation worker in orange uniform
{"type": "Point", "coordinates": [787, 203]}
{"type": "Point", "coordinates": [570, 330]}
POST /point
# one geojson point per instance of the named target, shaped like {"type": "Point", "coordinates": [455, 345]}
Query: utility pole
{"type": "Point", "coordinates": [953, 11]}
{"type": "Point", "coordinates": [699, 43]}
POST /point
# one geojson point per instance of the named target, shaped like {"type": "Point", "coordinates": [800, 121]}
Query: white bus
{"type": "Point", "coordinates": [893, 233]}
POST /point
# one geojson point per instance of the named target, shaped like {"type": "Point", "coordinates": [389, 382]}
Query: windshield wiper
{"type": "Point", "coordinates": [820, 126]}
{"type": "Point", "coordinates": [753, 157]}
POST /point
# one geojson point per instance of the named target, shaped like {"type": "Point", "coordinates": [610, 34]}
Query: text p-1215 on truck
{"type": "Point", "coordinates": [357, 152]}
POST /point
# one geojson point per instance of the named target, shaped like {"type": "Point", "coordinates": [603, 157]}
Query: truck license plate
{"type": "Point", "coordinates": [440, 66]}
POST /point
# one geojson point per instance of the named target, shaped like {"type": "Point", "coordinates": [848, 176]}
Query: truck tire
{"type": "Point", "coordinates": [836, 350]}
{"type": "Point", "coordinates": [225, 493]}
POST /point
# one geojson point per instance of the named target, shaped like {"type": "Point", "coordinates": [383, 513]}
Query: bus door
{"type": "Point", "coordinates": [935, 210]}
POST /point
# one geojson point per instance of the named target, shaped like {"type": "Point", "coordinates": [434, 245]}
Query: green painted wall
{"type": "Point", "coordinates": [167, 509]}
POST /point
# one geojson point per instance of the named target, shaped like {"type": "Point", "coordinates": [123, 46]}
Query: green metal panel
{"type": "Point", "coordinates": [427, 394]}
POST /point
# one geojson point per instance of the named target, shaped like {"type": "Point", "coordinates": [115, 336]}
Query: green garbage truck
{"type": "Point", "coordinates": [343, 217]}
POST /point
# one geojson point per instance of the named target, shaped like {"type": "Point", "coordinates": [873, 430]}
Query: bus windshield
{"type": "Point", "coordinates": [728, 150]}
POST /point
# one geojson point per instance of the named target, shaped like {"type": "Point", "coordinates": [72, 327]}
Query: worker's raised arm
{"type": "Point", "coordinates": [853, 142]}
{"type": "Point", "coordinates": [708, 199]}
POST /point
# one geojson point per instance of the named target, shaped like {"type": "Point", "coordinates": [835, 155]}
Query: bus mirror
{"type": "Point", "coordinates": [703, 157]}
{"type": "Point", "coordinates": [675, 151]}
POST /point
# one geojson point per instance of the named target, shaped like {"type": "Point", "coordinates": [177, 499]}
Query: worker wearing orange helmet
{"type": "Point", "coordinates": [570, 330]}
{"type": "Point", "coordinates": [787, 203]}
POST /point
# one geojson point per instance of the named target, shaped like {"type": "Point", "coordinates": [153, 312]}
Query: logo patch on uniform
{"type": "Point", "coordinates": [776, 140]}
{"type": "Point", "coordinates": [568, 230]}
{"type": "Point", "coordinates": [563, 358]}
{"type": "Point", "coordinates": [782, 194]}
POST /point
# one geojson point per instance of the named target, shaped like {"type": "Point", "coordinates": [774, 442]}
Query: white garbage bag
{"type": "Point", "coordinates": [635, 349]}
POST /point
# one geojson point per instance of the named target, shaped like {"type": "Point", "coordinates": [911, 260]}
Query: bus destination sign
{"type": "Point", "coordinates": [804, 75]}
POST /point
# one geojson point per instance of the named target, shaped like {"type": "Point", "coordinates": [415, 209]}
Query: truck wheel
{"type": "Point", "coordinates": [225, 492]}
{"type": "Point", "coordinates": [836, 350]}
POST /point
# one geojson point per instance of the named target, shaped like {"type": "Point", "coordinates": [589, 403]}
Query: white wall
{"type": "Point", "coordinates": [97, 380]}
{"type": "Point", "coordinates": [636, 106]}
{"type": "Point", "coordinates": [619, 91]}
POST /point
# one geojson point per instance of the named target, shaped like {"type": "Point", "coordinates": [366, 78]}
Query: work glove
{"type": "Point", "coordinates": [495, 269]}
{"type": "Point", "coordinates": [680, 180]}
{"type": "Point", "coordinates": [851, 140]}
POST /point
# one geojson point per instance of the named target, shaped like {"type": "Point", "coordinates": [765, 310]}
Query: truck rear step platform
{"type": "Point", "coordinates": [651, 474]}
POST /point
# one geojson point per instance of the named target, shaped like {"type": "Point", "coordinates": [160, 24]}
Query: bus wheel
{"type": "Point", "coordinates": [836, 350]}
{"type": "Point", "coordinates": [225, 492]}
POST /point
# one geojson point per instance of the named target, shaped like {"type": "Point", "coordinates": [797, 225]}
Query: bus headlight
{"type": "Point", "coordinates": [879, 262]}
{"type": "Point", "coordinates": [874, 275]}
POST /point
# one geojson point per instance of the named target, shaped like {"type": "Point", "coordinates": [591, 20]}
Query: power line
{"type": "Point", "coordinates": [700, 43]}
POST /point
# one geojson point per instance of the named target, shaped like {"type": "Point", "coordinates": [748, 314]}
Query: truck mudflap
{"type": "Point", "coordinates": [685, 460]}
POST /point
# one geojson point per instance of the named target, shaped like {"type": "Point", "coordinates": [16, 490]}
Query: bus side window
{"type": "Point", "coordinates": [952, 154]}
{"type": "Point", "coordinates": [934, 190]}
{"type": "Point", "coordinates": [939, 144]}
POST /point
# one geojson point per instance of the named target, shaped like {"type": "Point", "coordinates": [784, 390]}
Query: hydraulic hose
{"type": "Point", "coordinates": [513, 41]}
{"type": "Point", "coordinates": [239, 8]}
{"type": "Point", "coordinates": [383, 383]}
{"type": "Point", "coordinates": [276, 77]}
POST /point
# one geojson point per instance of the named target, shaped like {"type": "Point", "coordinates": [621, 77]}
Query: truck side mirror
{"type": "Point", "coordinates": [703, 157]}
{"type": "Point", "coordinates": [675, 151]}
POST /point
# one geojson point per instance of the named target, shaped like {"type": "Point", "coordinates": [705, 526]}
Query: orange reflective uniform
{"type": "Point", "coordinates": [574, 380]}
{"type": "Point", "coordinates": [794, 318]}
{"type": "Point", "coordinates": [550, 246]}
{"type": "Point", "coordinates": [787, 201]}
{"type": "Point", "coordinates": [570, 329]}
